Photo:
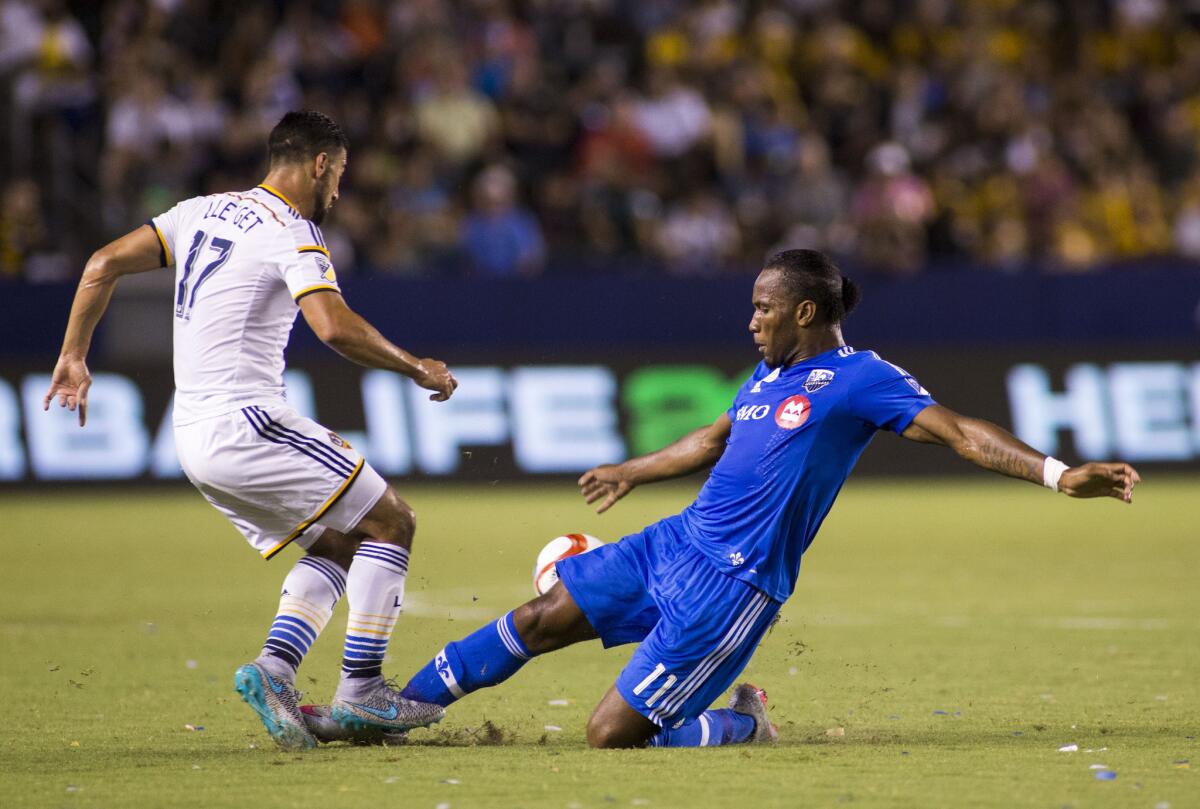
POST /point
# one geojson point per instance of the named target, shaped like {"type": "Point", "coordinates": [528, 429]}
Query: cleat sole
{"type": "Point", "coordinates": [248, 683]}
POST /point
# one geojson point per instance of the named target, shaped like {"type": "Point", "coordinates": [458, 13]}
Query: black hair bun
{"type": "Point", "coordinates": [851, 295]}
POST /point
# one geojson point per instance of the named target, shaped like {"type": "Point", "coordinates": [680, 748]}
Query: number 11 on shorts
{"type": "Point", "coordinates": [654, 675]}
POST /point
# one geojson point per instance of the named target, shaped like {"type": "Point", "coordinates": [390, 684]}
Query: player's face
{"type": "Point", "coordinates": [773, 324]}
{"type": "Point", "coordinates": [327, 186]}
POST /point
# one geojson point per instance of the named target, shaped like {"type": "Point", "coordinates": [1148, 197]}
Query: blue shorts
{"type": "Point", "coordinates": [697, 626]}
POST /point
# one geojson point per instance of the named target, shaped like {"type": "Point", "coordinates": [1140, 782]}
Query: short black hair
{"type": "Point", "coordinates": [304, 134]}
{"type": "Point", "coordinates": [810, 275]}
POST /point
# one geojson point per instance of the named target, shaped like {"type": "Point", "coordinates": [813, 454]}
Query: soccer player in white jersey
{"type": "Point", "coordinates": [245, 262]}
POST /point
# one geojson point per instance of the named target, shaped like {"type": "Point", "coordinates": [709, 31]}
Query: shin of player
{"type": "Point", "coordinates": [310, 592]}
{"type": "Point", "coordinates": [486, 657]}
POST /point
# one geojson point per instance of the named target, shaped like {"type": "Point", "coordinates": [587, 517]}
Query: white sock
{"type": "Point", "coordinates": [310, 592]}
{"type": "Point", "coordinates": [375, 588]}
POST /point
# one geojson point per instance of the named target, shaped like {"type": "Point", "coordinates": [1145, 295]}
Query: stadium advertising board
{"type": "Point", "coordinates": [530, 420]}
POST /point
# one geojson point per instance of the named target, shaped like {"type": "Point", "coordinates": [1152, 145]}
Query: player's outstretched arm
{"type": "Point", "coordinates": [992, 447]}
{"type": "Point", "coordinates": [132, 253]}
{"type": "Point", "coordinates": [697, 450]}
{"type": "Point", "coordinates": [354, 338]}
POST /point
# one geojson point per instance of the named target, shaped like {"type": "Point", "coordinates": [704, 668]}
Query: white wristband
{"type": "Point", "coordinates": [1052, 472]}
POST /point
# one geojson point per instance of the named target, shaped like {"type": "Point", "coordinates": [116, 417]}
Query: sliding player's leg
{"type": "Point", "coordinates": [375, 592]}
{"type": "Point", "coordinates": [614, 724]}
{"type": "Point", "coordinates": [496, 651]}
{"type": "Point", "coordinates": [711, 625]}
{"type": "Point", "coordinates": [600, 594]}
{"type": "Point", "coordinates": [745, 720]}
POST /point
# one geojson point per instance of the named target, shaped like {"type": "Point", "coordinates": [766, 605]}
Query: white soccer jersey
{"type": "Point", "coordinates": [242, 261]}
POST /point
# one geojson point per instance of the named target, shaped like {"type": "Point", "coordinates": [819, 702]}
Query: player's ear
{"type": "Point", "coordinates": [806, 312]}
{"type": "Point", "coordinates": [321, 164]}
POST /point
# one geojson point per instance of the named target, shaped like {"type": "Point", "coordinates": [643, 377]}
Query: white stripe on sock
{"type": "Point", "coordinates": [510, 643]}
{"type": "Point", "coordinates": [442, 664]}
{"type": "Point", "coordinates": [703, 730]}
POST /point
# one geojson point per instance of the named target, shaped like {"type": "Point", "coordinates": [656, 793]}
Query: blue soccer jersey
{"type": "Point", "coordinates": [797, 432]}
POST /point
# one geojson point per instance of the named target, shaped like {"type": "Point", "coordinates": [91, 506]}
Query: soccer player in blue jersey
{"type": "Point", "coordinates": [699, 589]}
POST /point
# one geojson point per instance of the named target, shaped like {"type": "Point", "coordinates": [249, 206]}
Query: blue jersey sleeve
{"type": "Point", "coordinates": [887, 397]}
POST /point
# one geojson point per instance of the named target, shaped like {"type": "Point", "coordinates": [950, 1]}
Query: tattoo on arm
{"type": "Point", "coordinates": [1001, 451]}
{"type": "Point", "coordinates": [1010, 458]}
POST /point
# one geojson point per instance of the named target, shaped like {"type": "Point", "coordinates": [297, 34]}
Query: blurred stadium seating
{"type": "Point", "coordinates": [501, 137]}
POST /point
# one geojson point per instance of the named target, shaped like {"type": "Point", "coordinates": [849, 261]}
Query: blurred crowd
{"type": "Point", "coordinates": [510, 137]}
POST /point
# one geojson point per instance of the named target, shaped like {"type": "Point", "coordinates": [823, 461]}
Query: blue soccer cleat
{"type": "Point", "coordinates": [277, 704]}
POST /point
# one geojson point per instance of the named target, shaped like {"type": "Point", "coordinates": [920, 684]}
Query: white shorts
{"type": "Point", "coordinates": [276, 475]}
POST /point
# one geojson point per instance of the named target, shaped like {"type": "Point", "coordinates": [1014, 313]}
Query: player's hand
{"type": "Point", "coordinates": [606, 483]}
{"type": "Point", "coordinates": [434, 375]}
{"type": "Point", "coordinates": [70, 384]}
{"type": "Point", "coordinates": [1100, 480]}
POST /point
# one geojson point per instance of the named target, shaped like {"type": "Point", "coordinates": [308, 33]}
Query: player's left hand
{"type": "Point", "coordinates": [70, 384]}
{"type": "Point", "coordinates": [1100, 480]}
{"type": "Point", "coordinates": [607, 483]}
{"type": "Point", "coordinates": [434, 375]}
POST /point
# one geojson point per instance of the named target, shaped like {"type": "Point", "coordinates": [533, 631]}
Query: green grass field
{"type": "Point", "coordinates": [945, 641]}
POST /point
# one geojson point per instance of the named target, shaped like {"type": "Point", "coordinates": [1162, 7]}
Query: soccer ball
{"type": "Point", "coordinates": [544, 574]}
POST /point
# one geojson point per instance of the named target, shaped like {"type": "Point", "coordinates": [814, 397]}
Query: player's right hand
{"type": "Point", "coordinates": [1100, 480]}
{"type": "Point", "coordinates": [434, 375]}
{"type": "Point", "coordinates": [70, 384]}
{"type": "Point", "coordinates": [606, 483]}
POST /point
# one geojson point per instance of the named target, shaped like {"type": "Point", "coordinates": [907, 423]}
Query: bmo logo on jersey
{"type": "Point", "coordinates": [793, 412]}
{"type": "Point", "coordinates": [752, 412]}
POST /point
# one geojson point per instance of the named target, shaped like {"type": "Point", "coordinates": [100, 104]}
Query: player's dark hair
{"type": "Point", "coordinates": [810, 276]}
{"type": "Point", "coordinates": [302, 135]}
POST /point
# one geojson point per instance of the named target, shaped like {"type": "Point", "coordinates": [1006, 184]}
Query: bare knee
{"type": "Point", "coordinates": [536, 625]}
{"type": "Point", "coordinates": [615, 724]}
{"type": "Point", "coordinates": [337, 547]}
{"type": "Point", "coordinates": [551, 621]}
{"type": "Point", "coordinates": [404, 524]}
{"type": "Point", "coordinates": [603, 734]}
{"type": "Point", "coordinates": [607, 732]}
{"type": "Point", "coordinates": [391, 520]}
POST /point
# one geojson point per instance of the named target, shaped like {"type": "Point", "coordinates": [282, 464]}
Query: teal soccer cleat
{"type": "Point", "coordinates": [320, 723]}
{"type": "Point", "coordinates": [277, 704]}
{"type": "Point", "coordinates": [383, 708]}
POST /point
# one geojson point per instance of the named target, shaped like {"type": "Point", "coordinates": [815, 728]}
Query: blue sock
{"type": "Point", "coordinates": [486, 657]}
{"type": "Point", "coordinates": [711, 728]}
